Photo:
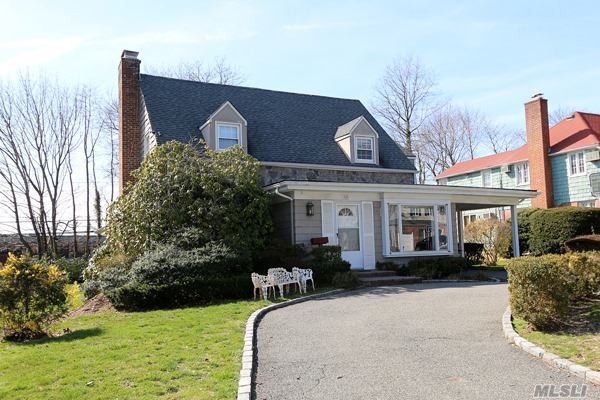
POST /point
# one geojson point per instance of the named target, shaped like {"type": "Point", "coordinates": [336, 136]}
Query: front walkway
{"type": "Point", "coordinates": [425, 341]}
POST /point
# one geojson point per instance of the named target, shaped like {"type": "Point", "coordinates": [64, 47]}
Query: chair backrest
{"type": "Point", "coordinates": [303, 273]}
{"type": "Point", "coordinates": [261, 280]}
{"type": "Point", "coordinates": [280, 275]}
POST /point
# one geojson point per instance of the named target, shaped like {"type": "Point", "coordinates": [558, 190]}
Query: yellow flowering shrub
{"type": "Point", "coordinates": [32, 292]}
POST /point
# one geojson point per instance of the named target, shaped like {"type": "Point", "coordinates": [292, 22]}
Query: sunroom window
{"type": "Point", "coordinates": [417, 228]}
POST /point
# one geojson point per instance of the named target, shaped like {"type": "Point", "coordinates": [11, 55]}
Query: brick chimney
{"type": "Point", "coordinates": [538, 148]}
{"type": "Point", "coordinates": [129, 122]}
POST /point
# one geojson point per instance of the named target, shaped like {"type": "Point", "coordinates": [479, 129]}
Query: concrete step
{"type": "Point", "coordinates": [374, 273]}
{"type": "Point", "coordinates": [389, 280]}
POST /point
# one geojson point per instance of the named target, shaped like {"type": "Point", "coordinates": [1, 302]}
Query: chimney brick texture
{"type": "Point", "coordinates": [129, 122]}
{"type": "Point", "coordinates": [538, 147]}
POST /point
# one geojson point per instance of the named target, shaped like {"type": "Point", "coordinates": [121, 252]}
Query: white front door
{"type": "Point", "coordinates": [348, 222]}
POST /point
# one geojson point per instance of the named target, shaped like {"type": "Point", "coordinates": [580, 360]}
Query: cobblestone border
{"type": "Point", "coordinates": [513, 337]}
{"type": "Point", "coordinates": [249, 352]}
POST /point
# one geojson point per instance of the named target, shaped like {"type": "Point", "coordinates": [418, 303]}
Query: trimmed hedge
{"type": "Point", "coordinates": [551, 228]}
{"type": "Point", "coordinates": [140, 296]}
{"type": "Point", "coordinates": [436, 267]}
{"type": "Point", "coordinates": [583, 243]}
{"type": "Point", "coordinates": [327, 262]}
{"type": "Point", "coordinates": [543, 288]}
{"type": "Point", "coordinates": [524, 218]}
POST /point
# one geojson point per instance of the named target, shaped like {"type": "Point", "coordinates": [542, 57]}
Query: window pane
{"type": "Point", "coordinates": [417, 230]}
{"type": "Point", "coordinates": [228, 132]}
{"type": "Point", "coordinates": [348, 228]}
{"type": "Point", "coordinates": [364, 149]}
{"type": "Point", "coordinates": [442, 223]}
{"type": "Point", "coordinates": [225, 143]}
{"type": "Point", "coordinates": [573, 164]}
{"type": "Point", "coordinates": [486, 178]}
{"type": "Point", "coordinates": [394, 227]}
{"type": "Point", "coordinates": [581, 159]}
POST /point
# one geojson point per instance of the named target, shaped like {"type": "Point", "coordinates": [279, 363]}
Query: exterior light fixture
{"type": "Point", "coordinates": [310, 209]}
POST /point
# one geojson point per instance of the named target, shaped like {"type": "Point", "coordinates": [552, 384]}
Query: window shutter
{"type": "Point", "coordinates": [368, 229]}
{"type": "Point", "coordinates": [328, 221]}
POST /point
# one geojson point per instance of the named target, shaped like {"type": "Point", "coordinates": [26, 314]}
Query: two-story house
{"type": "Point", "coordinates": [557, 161]}
{"type": "Point", "coordinates": [333, 171]}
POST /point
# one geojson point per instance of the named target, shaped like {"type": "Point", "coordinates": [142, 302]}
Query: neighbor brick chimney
{"type": "Point", "coordinates": [538, 148]}
{"type": "Point", "coordinates": [129, 122]}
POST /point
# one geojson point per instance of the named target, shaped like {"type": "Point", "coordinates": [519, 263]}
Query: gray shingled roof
{"type": "Point", "coordinates": [282, 127]}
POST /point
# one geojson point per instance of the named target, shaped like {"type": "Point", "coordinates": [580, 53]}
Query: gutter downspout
{"type": "Point", "coordinates": [292, 219]}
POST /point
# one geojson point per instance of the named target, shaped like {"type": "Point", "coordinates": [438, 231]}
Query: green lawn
{"type": "Point", "coordinates": [191, 353]}
{"type": "Point", "coordinates": [580, 347]}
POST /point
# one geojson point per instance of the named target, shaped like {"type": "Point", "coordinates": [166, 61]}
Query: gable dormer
{"type": "Point", "coordinates": [225, 127]}
{"type": "Point", "coordinates": [359, 141]}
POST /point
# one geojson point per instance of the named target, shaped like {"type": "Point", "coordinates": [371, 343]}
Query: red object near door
{"type": "Point", "coordinates": [319, 241]}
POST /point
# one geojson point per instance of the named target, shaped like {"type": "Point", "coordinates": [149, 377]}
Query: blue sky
{"type": "Point", "coordinates": [488, 55]}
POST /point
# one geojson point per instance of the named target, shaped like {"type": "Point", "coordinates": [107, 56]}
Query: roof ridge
{"type": "Point", "coordinates": [250, 87]}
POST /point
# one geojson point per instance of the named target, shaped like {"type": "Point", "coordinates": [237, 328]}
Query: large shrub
{"type": "Point", "coordinates": [436, 267]}
{"type": "Point", "coordinates": [494, 234]}
{"type": "Point", "coordinates": [524, 219]}
{"type": "Point", "coordinates": [31, 293]}
{"type": "Point", "coordinates": [73, 267]}
{"type": "Point", "coordinates": [106, 272]}
{"type": "Point", "coordinates": [551, 228]}
{"type": "Point", "coordinates": [583, 243]}
{"type": "Point", "coordinates": [194, 197]}
{"type": "Point", "coordinates": [141, 296]}
{"type": "Point", "coordinates": [326, 263]}
{"type": "Point", "coordinates": [169, 276]}
{"type": "Point", "coordinates": [543, 288]}
{"type": "Point", "coordinates": [474, 252]}
{"type": "Point", "coordinates": [280, 254]}
{"type": "Point", "coordinates": [168, 264]}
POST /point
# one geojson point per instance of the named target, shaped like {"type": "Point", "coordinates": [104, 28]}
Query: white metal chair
{"type": "Point", "coordinates": [283, 278]}
{"type": "Point", "coordinates": [304, 275]}
{"type": "Point", "coordinates": [263, 283]}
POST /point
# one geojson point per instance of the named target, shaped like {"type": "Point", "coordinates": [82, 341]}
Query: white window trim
{"type": "Point", "coordinates": [486, 171]}
{"type": "Point", "coordinates": [575, 153]}
{"type": "Point", "coordinates": [411, 202]}
{"type": "Point", "coordinates": [517, 183]}
{"type": "Point", "coordinates": [238, 126]}
{"type": "Point", "coordinates": [364, 161]}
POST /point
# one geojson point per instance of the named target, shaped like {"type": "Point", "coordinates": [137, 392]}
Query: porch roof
{"type": "Point", "coordinates": [465, 198]}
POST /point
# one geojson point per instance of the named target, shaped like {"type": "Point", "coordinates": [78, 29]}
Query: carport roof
{"type": "Point", "coordinates": [465, 197]}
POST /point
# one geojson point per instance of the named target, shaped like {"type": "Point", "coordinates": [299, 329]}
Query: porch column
{"type": "Point", "coordinates": [515, 231]}
{"type": "Point", "coordinates": [461, 234]}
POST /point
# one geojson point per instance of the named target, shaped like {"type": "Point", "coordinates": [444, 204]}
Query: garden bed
{"type": "Point", "coordinates": [578, 342]}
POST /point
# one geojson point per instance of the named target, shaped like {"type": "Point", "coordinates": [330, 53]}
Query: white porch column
{"type": "Point", "coordinates": [461, 234]}
{"type": "Point", "coordinates": [515, 231]}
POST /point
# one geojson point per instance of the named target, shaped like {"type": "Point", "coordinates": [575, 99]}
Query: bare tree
{"type": "Point", "coordinates": [500, 138]}
{"type": "Point", "coordinates": [219, 71]}
{"type": "Point", "coordinates": [558, 114]}
{"type": "Point", "coordinates": [38, 127]}
{"type": "Point", "coordinates": [109, 120]}
{"type": "Point", "coordinates": [404, 99]}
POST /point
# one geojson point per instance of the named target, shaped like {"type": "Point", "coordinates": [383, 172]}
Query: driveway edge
{"type": "Point", "coordinates": [513, 337]}
{"type": "Point", "coordinates": [248, 365]}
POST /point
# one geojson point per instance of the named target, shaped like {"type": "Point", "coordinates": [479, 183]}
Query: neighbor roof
{"type": "Point", "coordinates": [282, 126]}
{"type": "Point", "coordinates": [576, 132]}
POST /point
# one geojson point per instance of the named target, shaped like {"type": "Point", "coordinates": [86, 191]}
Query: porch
{"type": "Point", "coordinates": [384, 222]}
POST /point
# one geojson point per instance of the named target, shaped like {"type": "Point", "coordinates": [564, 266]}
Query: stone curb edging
{"type": "Point", "coordinates": [248, 365]}
{"type": "Point", "coordinates": [513, 337]}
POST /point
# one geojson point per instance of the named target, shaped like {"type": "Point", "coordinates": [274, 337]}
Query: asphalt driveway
{"type": "Point", "coordinates": [426, 341]}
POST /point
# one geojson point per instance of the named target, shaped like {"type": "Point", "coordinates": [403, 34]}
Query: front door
{"type": "Point", "coordinates": [349, 234]}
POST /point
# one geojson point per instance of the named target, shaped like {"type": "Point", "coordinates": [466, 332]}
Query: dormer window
{"type": "Point", "coordinates": [359, 141]}
{"type": "Point", "coordinates": [364, 149]}
{"type": "Point", "coordinates": [228, 135]}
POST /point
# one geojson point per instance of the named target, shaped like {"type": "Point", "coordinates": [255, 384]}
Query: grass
{"type": "Point", "coordinates": [581, 347]}
{"type": "Point", "coordinates": [191, 353]}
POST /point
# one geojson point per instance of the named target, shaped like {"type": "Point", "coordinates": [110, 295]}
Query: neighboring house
{"type": "Point", "coordinates": [556, 161]}
{"type": "Point", "coordinates": [333, 170]}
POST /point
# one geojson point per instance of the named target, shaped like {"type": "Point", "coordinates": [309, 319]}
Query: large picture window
{"type": "Point", "coordinates": [418, 228]}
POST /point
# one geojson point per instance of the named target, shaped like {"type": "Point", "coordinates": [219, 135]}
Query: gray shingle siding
{"type": "Point", "coordinates": [282, 127]}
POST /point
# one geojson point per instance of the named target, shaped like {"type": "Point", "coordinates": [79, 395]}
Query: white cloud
{"type": "Point", "coordinates": [31, 52]}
